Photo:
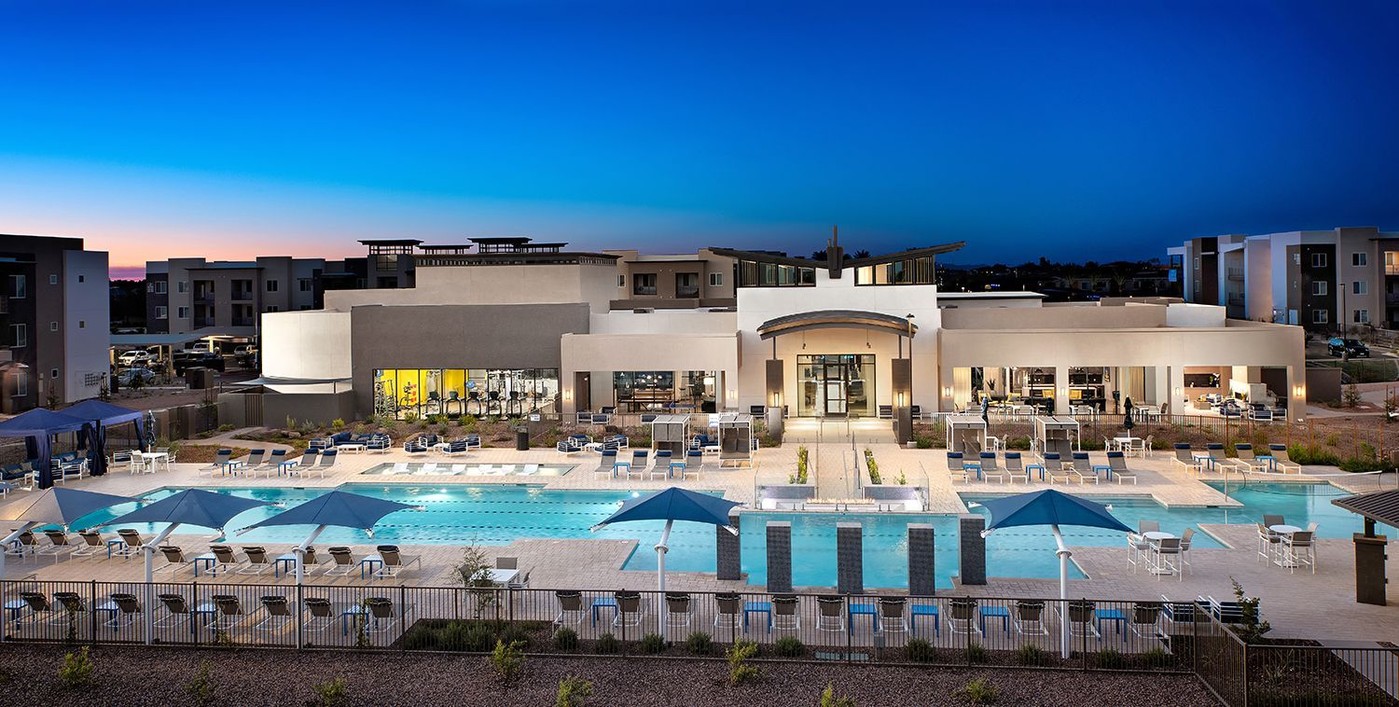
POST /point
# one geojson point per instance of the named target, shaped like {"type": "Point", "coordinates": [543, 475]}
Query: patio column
{"type": "Point", "coordinates": [1061, 390]}
{"type": "Point", "coordinates": [1178, 397]}
{"type": "Point", "coordinates": [972, 549]}
{"type": "Point", "coordinates": [922, 569]}
{"type": "Point", "coordinates": [779, 545]}
{"type": "Point", "coordinates": [902, 377]}
{"type": "Point", "coordinates": [850, 559]}
{"type": "Point", "coordinates": [727, 560]}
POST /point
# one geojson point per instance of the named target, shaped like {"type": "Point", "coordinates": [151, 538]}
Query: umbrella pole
{"type": "Point", "coordinates": [148, 552]}
{"type": "Point", "coordinates": [661, 549]}
{"type": "Point", "coordinates": [300, 551]}
{"type": "Point", "coordinates": [4, 545]}
{"type": "Point", "coordinates": [1064, 554]}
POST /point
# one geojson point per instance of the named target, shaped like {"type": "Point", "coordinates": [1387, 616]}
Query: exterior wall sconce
{"type": "Point", "coordinates": [1299, 391]}
{"type": "Point", "coordinates": [567, 393]}
{"type": "Point", "coordinates": [901, 398]}
{"type": "Point", "coordinates": [947, 391]}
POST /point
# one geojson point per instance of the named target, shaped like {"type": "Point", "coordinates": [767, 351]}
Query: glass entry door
{"type": "Point", "coordinates": [835, 385]}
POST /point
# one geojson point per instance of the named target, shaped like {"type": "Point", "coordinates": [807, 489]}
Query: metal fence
{"type": "Point", "coordinates": [1083, 634]}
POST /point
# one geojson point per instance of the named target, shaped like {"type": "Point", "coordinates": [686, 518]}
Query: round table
{"type": "Point", "coordinates": [1284, 529]}
{"type": "Point", "coordinates": [1157, 535]}
{"type": "Point", "coordinates": [1283, 559]}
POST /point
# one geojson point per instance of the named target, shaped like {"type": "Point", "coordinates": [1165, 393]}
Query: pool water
{"type": "Point", "coordinates": [404, 469]}
{"type": "Point", "coordinates": [1299, 504]}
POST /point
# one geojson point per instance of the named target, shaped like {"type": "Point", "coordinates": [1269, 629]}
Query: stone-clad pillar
{"type": "Point", "coordinates": [727, 560]}
{"type": "Point", "coordinates": [850, 559]}
{"type": "Point", "coordinates": [973, 549]}
{"type": "Point", "coordinates": [779, 536]}
{"type": "Point", "coordinates": [922, 568]}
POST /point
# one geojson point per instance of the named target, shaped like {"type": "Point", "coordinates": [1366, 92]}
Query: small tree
{"type": "Point", "coordinates": [573, 692]}
{"type": "Point", "coordinates": [1250, 628]}
{"type": "Point", "coordinates": [474, 573]}
{"type": "Point", "coordinates": [1351, 397]}
{"type": "Point", "coordinates": [508, 660]}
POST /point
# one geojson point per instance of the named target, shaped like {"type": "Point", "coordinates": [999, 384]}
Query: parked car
{"type": "Point", "coordinates": [189, 358]}
{"type": "Point", "coordinates": [135, 358]}
{"type": "Point", "coordinates": [1347, 347]}
{"type": "Point", "coordinates": [246, 356]}
{"type": "Point", "coordinates": [131, 376]}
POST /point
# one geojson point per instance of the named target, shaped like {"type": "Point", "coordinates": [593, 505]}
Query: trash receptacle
{"type": "Point", "coordinates": [522, 439]}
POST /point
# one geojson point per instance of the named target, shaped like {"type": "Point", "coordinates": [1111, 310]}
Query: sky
{"type": "Point", "coordinates": [1066, 129]}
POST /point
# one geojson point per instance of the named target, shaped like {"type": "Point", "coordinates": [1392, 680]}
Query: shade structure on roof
{"type": "Point", "coordinates": [339, 508]}
{"type": "Point", "coordinates": [1052, 508]}
{"type": "Point", "coordinates": [60, 506]}
{"type": "Point", "coordinates": [674, 504]}
{"type": "Point", "coordinates": [101, 415]}
{"type": "Point", "coordinates": [191, 507]}
{"type": "Point", "coordinates": [38, 426]}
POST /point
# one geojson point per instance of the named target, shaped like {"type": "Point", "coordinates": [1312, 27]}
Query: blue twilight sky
{"type": "Point", "coordinates": [1073, 130]}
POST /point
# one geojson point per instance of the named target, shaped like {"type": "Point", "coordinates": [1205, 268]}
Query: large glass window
{"type": "Point", "coordinates": [835, 385]}
{"type": "Point", "coordinates": [914, 271]}
{"type": "Point", "coordinates": [756, 274]}
{"type": "Point", "coordinates": [652, 391]}
{"type": "Point", "coordinates": [501, 392]}
{"type": "Point", "coordinates": [643, 283]}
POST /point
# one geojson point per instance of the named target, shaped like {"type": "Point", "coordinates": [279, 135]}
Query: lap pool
{"type": "Point", "coordinates": [499, 514]}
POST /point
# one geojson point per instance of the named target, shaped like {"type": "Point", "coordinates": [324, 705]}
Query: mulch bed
{"type": "Point", "coordinates": [131, 676]}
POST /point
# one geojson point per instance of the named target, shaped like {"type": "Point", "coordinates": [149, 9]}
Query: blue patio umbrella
{"type": "Point", "coordinates": [188, 507]}
{"type": "Point", "coordinates": [100, 416]}
{"type": "Point", "coordinates": [58, 506]}
{"type": "Point", "coordinates": [339, 508]}
{"type": "Point", "coordinates": [670, 505]}
{"type": "Point", "coordinates": [1052, 508]}
{"type": "Point", "coordinates": [38, 427]}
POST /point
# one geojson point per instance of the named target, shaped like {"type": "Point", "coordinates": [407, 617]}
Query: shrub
{"type": "Point", "coordinates": [573, 692]}
{"type": "Point", "coordinates": [1350, 397]}
{"type": "Point", "coordinates": [337, 424]}
{"type": "Point", "coordinates": [467, 637]}
{"type": "Point", "coordinates": [508, 660]}
{"type": "Point", "coordinates": [76, 670]}
{"type": "Point", "coordinates": [923, 442]}
{"type": "Point", "coordinates": [803, 465]}
{"type": "Point", "coordinates": [566, 639]}
{"type": "Point", "coordinates": [739, 669]}
{"type": "Point", "coordinates": [331, 693]}
{"type": "Point", "coordinates": [1157, 657]}
{"type": "Point", "coordinates": [653, 643]}
{"type": "Point", "coordinates": [1312, 454]}
{"type": "Point", "coordinates": [699, 643]}
{"type": "Point", "coordinates": [789, 647]}
{"type": "Point", "coordinates": [1250, 628]}
{"type": "Point", "coordinates": [920, 651]}
{"type": "Point", "coordinates": [422, 639]}
{"type": "Point", "coordinates": [201, 688]}
{"type": "Point", "coordinates": [872, 466]}
{"type": "Point", "coordinates": [514, 633]}
{"type": "Point", "coordinates": [829, 698]}
{"type": "Point", "coordinates": [1030, 654]}
{"type": "Point", "coordinates": [979, 692]}
{"type": "Point", "coordinates": [607, 644]}
{"type": "Point", "coordinates": [976, 653]}
{"type": "Point", "coordinates": [1110, 659]}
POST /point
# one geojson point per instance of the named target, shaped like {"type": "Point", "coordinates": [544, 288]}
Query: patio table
{"type": "Point", "coordinates": [757, 607]}
{"type": "Point", "coordinates": [973, 466]}
{"type": "Point", "coordinates": [917, 610]}
{"type": "Point", "coordinates": [1105, 468]}
{"type": "Point", "coordinates": [862, 609]}
{"type": "Point", "coordinates": [995, 612]}
{"type": "Point", "coordinates": [1112, 616]}
{"type": "Point", "coordinates": [1031, 467]}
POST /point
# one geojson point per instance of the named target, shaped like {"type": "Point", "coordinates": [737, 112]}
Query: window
{"type": "Point", "coordinates": [182, 313]}
{"type": "Point", "coordinates": [157, 287]}
{"type": "Point", "coordinates": [644, 284]}
{"type": "Point", "coordinates": [53, 326]}
{"type": "Point", "coordinates": [760, 274]}
{"type": "Point", "coordinates": [303, 284]}
{"type": "Point", "coordinates": [1359, 287]}
{"type": "Point", "coordinates": [1177, 261]}
{"type": "Point", "coordinates": [1391, 262]}
{"type": "Point", "coordinates": [82, 324]}
{"type": "Point", "coordinates": [716, 279]}
{"type": "Point", "coordinates": [1360, 316]}
{"type": "Point", "coordinates": [53, 279]}
{"type": "Point", "coordinates": [19, 287]}
{"type": "Point", "coordinates": [53, 373]}
{"type": "Point", "coordinates": [1321, 316]}
{"type": "Point", "coordinates": [621, 280]}
{"type": "Point", "coordinates": [271, 285]}
{"type": "Point", "coordinates": [1296, 258]}
{"type": "Point", "coordinates": [272, 308]}
{"type": "Point", "coordinates": [1359, 260]}
{"type": "Point", "coordinates": [19, 334]}
{"type": "Point", "coordinates": [182, 286]}
{"type": "Point", "coordinates": [1318, 260]}
{"type": "Point", "coordinates": [162, 313]}
{"type": "Point", "coordinates": [82, 279]}
{"type": "Point", "coordinates": [1318, 287]}
{"type": "Point", "coordinates": [22, 386]}
{"type": "Point", "coordinates": [687, 284]}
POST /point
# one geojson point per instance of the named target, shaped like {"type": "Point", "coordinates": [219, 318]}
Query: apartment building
{"type": "Point", "coordinates": [225, 298]}
{"type": "Point", "coordinates": [1320, 280]}
{"type": "Point", "coordinates": [510, 326]}
{"type": "Point", "coordinates": [54, 311]}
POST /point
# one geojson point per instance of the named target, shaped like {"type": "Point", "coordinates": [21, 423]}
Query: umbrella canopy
{"type": "Point", "coordinates": [60, 506]}
{"type": "Point", "coordinates": [1050, 507]}
{"type": "Point", "coordinates": [192, 507]}
{"type": "Point", "coordinates": [39, 426]}
{"type": "Point", "coordinates": [339, 508]}
{"type": "Point", "coordinates": [674, 504]}
{"type": "Point", "coordinates": [105, 413]}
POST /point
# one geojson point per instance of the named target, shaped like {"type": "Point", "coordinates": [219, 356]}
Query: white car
{"type": "Point", "coordinates": [135, 358]}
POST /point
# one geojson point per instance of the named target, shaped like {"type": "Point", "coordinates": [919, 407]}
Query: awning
{"type": "Point", "coordinates": [837, 319]}
{"type": "Point", "coordinates": [297, 385]}
{"type": "Point", "coordinates": [1381, 507]}
{"type": "Point", "coordinates": [153, 339]}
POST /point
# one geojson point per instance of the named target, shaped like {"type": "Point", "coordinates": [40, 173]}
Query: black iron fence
{"type": "Point", "coordinates": [1081, 634]}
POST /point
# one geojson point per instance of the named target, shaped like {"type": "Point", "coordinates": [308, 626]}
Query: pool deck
{"type": "Point", "coordinates": [1302, 604]}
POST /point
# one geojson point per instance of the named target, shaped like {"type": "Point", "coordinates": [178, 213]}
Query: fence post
{"type": "Point", "coordinates": [402, 617]}
{"type": "Point", "coordinates": [92, 611]}
{"type": "Point", "coordinates": [300, 616]}
{"type": "Point", "coordinates": [1246, 690]}
{"type": "Point", "coordinates": [849, 632]}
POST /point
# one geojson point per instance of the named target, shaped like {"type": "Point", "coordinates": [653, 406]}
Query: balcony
{"type": "Point", "coordinates": [204, 298]}
{"type": "Point", "coordinates": [1391, 298]}
{"type": "Point", "coordinates": [244, 321]}
{"type": "Point", "coordinates": [1235, 274]}
{"type": "Point", "coordinates": [202, 322]}
{"type": "Point", "coordinates": [240, 296]}
{"type": "Point", "coordinates": [687, 291]}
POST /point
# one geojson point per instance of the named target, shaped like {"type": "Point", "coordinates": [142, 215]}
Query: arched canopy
{"type": "Point", "coordinates": [837, 319]}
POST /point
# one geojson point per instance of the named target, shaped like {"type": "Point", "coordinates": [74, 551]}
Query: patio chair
{"type": "Point", "coordinates": [133, 543]}
{"type": "Point", "coordinates": [272, 462]}
{"type": "Point", "coordinates": [1138, 549]}
{"type": "Point", "coordinates": [1225, 612]}
{"type": "Point", "coordinates": [1271, 519]}
{"type": "Point", "coordinates": [416, 445]}
{"type": "Point", "coordinates": [228, 612]}
{"type": "Point", "coordinates": [344, 562]}
{"type": "Point", "coordinates": [320, 444]}
{"type": "Point", "coordinates": [677, 610]}
{"type": "Point", "coordinates": [1015, 467]}
{"type": "Point", "coordinates": [1281, 461]}
{"type": "Point", "coordinates": [1185, 546]}
{"type": "Point", "coordinates": [383, 614]}
{"type": "Point", "coordinates": [830, 615]}
{"type": "Point", "coordinates": [128, 610]}
{"type": "Point", "coordinates": [629, 609]}
{"type": "Point", "coordinates": [1165, 558]}
{"type": "Point", "coordinates": [892, 614]}
{"type": "Point", "coordinates": [990, 468]}
{"type": "Point", "coordinates": [1054, 468]}
{"type": "Point", "coordinates": [1083, 468]}
{"type": "Point", "coordinates": [1145, 619]}
{"type": "Point", "coordinates": [955, 465]}
{"type": "Point", "coordinates": [224, 560]}
{"type": "Point", "coordinates": [379, 444]}
{"type": "Point", "coordinates": [222, 459]}
{"type": "Point", "coordinates": [1082, 619]}
{"type": "Point", "coordinates": [174, 558]}
{"type": "Point", "coordinates": [176, 611]}
{"type": "Point", "coordinates": [1028, 618]}
{"type": "Point", "coordinates": [1297, 549]}
{"type": "Point", "coordinates": [257, 560]}
{"type": "Point", "coordinates": [507, 563]}
{"type": "Point", "coordinates": [728, 612]}
{"type": "Point", "coordinates": [570, 608]}
{"type": "Point", "coordinates": [394, 562]}
{"type": "Point", "coordinates": [457, 447]}
{"type": "Point", "coordinates": [962, 616]}
{"type": "Point", "coordinates": [278, 613]}
{"type": "Point", "coordinates": [1185, 456]}
{"type": "Point", "coordinates": [326, 461]}
{"type": "Point", "coordinates": [93, 543]}
{"type": "Point", "coordinates": [321, 613]}
{"type": "Point", "coordinates": [41, 610]}
{"type": "Point", "coordinates": [1178, 616]}
{"type": "Point", "coordinates": [1117, 461]}
{"type": "Point", "coordinates": [252, 461]}
{"type": "Point", "coordinates": [785, 613]}
{"type": "Point", "coordinates": [1268, 543]}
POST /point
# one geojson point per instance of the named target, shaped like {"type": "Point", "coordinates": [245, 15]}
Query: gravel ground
{"type": "Point", "coordinates": [140, 676]}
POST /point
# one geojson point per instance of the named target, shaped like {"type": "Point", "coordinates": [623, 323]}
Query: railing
{"type": "Point", "coordinates": [1009, 633]}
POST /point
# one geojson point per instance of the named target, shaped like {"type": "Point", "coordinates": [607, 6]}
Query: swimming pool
{"type": "Point", "coordinates": [1299, 503]}
{"type": "Point", "coordinates": [414, 469]}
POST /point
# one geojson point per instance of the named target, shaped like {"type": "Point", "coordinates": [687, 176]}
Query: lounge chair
{"type": "Point", "coordinates": [41, 610]}
{"type": "Point", "coordinates": [962, 617]}
{"type": "Point", "coordinates": [1247, 461]}
{"type": "Point", "coordinates": [305, 461]}
{"type": "Point", "coordinates": [1083, 468]}
{"type": "Point", "coordinates": [956, 466]}
{"type": "Point", "coordinates": [660, 465]}
{"type": "Point", "coordinates": [830, 615]}
{"type": "Point", "coordinates": [1185, 457]}
{"type": "Point", "coordinates": [393, 562]}
{"type": "Point", "coordinates": [59, 544]}
{"type": "Point", "coordinates": [1028, 618]}
{"type": "Point", "coordinates": [322, 613]}
{"type": "Point", "coordinates": [174, 558]}
{"type": "Point", "coordinates": [1054, 468]}
{"type": "Point", "coordinates": [1083, 619]}
{"type": "Point", "coordinates": [1218, 460]}
{"type": "Point", "coordinates": [133, 543]}
{"type": "Point", "coordinates": [176, 611]}
{"type": "Point", "coordinates": [990, 469]}
{"type": "Point", "coordinates": [570, 608]}
{"type": "Point", "coordinates": [1015, 467]}
{"type": "Point", "coordinates": [224, 560]}
{"type": "Point", "coordinates": [257, 560]}
{"type": "Point", "coordinates": [383, 614]}
{"type": "Point", "coordinates": [326, 461]}
{"type": "Point", "coordinates": [1225, 612]}
{"type": "Point", "coordinates": [93, 541]}
{"type": "Point", "coordinates": [128, 609]}
{"type": "Point", "coordinates": [892, 614]}
{"type": "Point", "coordinates": [677, 610]}
{"type": "Point", "coordinates": [640, 459]}
{"type": "Point", "coordinates": [252, 461]}
{"type": "Point", "coordinates": [278, 613]}
{"type": "Point", "coordinates": [785, 614]}
{"type": "Point", "coordinates": [228, 612]}
{"type": "Point", "coordinates": [222, 461]}
{"type": "Point", "coordinates": [1145, 619]}
{"type": "Point", "coordinates": [630, 611]}
{"type": "Point", "coordinates": [1280, 460]}
{"type": "Point", "coordinates": [1178, 615]}
{"type": "Point", "coordinates": [344, 562]}
{"type": "Point", "coordinates": [1117, 462]}
{"type": "Point", "coordinates": [272, 463]}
